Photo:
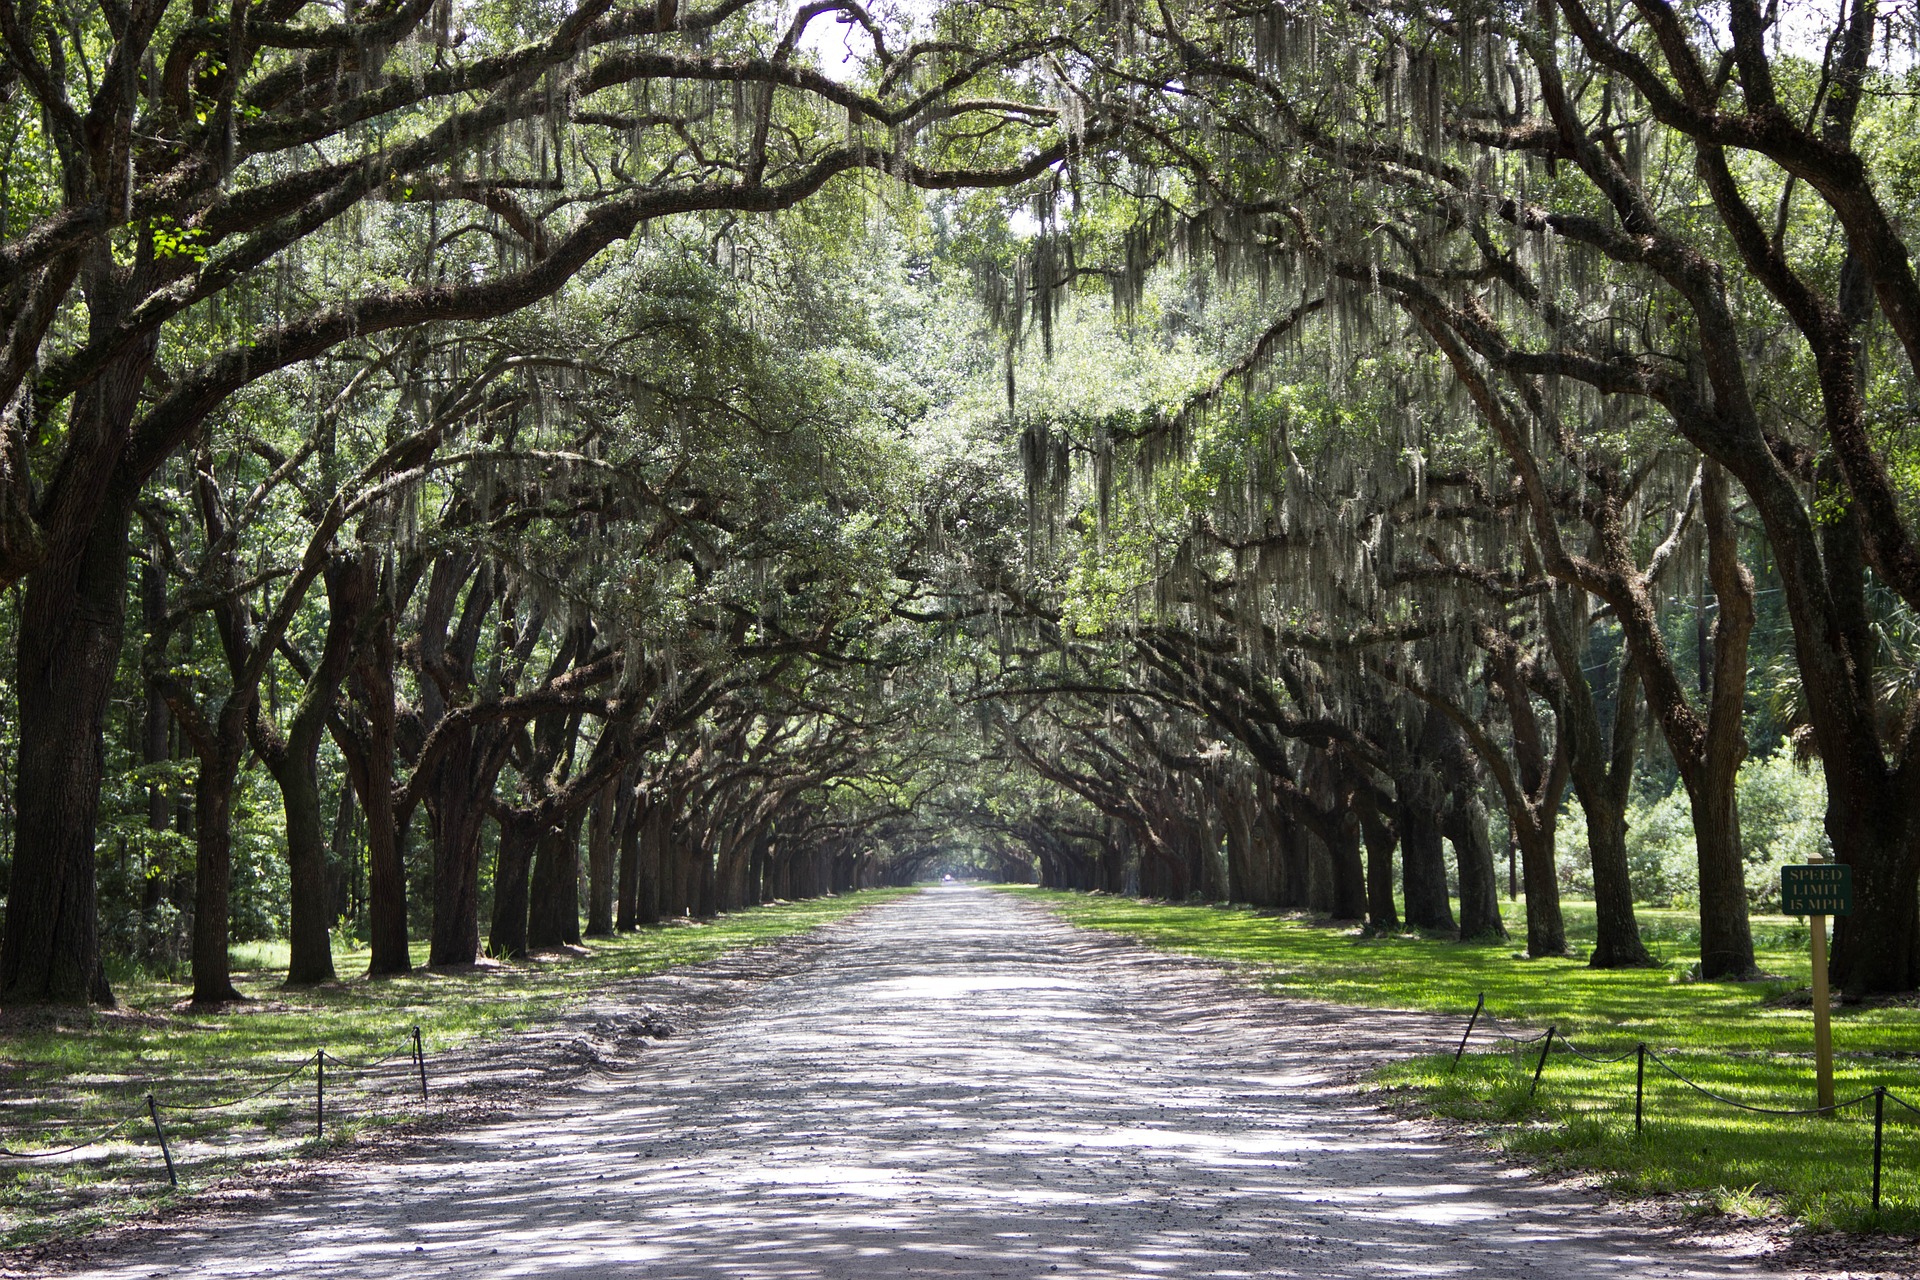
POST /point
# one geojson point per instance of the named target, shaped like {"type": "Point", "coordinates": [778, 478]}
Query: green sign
{"type": "Point", "coordinates": [1822, 889]}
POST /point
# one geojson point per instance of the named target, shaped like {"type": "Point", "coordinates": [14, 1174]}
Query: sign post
{"type": "Point", "coordinates": [1817, 891]}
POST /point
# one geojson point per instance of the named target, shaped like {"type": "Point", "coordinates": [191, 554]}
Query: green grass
{"type": "Point", "coordinates": [1737, 1039]}
{"type": "Point", "coordinates": [65, 1075]}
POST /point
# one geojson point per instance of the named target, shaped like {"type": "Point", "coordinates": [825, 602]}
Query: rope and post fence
{"type": "Point", "coordinates": [1641, 1053]}
{"type": "Point", "coordinates": [413, 1046]}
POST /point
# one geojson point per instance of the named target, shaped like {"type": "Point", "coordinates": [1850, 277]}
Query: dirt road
{"type": "Point", "coordinates": [959, 1085]}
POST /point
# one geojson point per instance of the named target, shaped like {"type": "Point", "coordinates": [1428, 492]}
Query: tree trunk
{"type": "Point", "coordinates": [520, 835]}
{"type": "Point", "coordinates": [372, 776]}
{"type": "Point", "coordinates": [453, 805]}
{"type": "Point", "coordinates": [600, 837]}
{"type": "Point", "coordinates": [213, 791]}
{"type": "Point", "coordinates": [1380, 842]}
{"type": "Point", "coordinates": [310, 958]}
{"type": "Point", "coordinates": [1349, 872]}
{"type": "Point", "coordinates": [156, 743]}
{"type": "Point", "coordinates": [1603, 791]}
{"type": "Point", "coordinates": [633, 815]}
{"type": "Point", "coordinates": [1546, 929]}
{"type": "Point", "coordinates": [1726, 942]}
{"type": "Point", "coordinates": [67, 650]}
{"type": "Point", "coordinates": [553, 917]}
{"type": "Point", "coordinates": [295, 766]}
{"type": "Point", "coordinates": [704, 896]}
{"type": "Point", "coordinates": [1423, 859]}
{"type": "Point", "coordinates": [655, 835]}
{"type": "Point", "coordinates": [1465, 827]}
{"type": "Point", "coordinates": [1293, 845]}
{"type": "Point", "coordinates": [1879, 944]}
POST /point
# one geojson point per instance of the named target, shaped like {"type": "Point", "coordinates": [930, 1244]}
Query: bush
{"type": "Point", "coordinates": [1782, 820]}
{"type": "Point", "coordinates": [1572, 854]}
{"type": "Point", "coordinates": [1660, 852]}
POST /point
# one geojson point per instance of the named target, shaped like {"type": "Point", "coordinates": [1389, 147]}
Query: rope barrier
{"type": "Point", "coordinates": [406, 1047]}
{"type": "Point", "coordinates": [1569, 1047]}
{"type": "Point", "coordinates": [234, 1102]}
{"type": "Point", "coordinates": [1747, 1106]}
{"type": "Point", "coordinates": [100, 1137]}
{"type": "Point", "coordinates": [1879, 1095]}
{"type": "Point", "coordinates": [413, 1046]}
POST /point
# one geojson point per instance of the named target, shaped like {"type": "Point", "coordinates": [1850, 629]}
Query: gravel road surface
{"type": "Point", "coordinates": [956, 1085]}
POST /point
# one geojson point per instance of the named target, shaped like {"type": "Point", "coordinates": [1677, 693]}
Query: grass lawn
{"type": "Point", "coordinates": [66, 1075]}
{"type": "Point", "coordinates": [1737, 1039]}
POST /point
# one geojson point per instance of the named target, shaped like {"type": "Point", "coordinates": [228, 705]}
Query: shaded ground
{"type": "Point", "coordinates": [954, 1084]}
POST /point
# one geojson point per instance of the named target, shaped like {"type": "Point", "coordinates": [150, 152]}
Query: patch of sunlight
{"type": "Point", "coordinates": [961, 986]}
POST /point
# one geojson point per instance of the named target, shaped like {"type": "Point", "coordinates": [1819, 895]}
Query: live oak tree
{"type": "Point", "coordinates": [614, 469]}
{"type": "Point", "coordinates": [191, 211]}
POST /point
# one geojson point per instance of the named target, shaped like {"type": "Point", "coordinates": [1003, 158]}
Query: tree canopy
{"type": "Point", "coordinates": [496, 474]}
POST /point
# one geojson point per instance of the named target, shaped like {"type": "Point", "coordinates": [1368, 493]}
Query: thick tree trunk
{"type": "Point", "coordinates": [633, 815]}
{"type": "Point", "coordinates": [295, 766]}
{"type": "Point", "coordinates": [310, 957]}
{"type": "Point", "coordinates": [1423, 858]}
{"type": "Point", "coordinates": [600, 847]}
{"type": "Point", "coordinates": [156, 742]}
{"type": "Point", "coordinates": [1349, 872]}
{"type": "Point", "coordinates": [1873, 808]}
{"type": "Point", "coordinates": [454, 807]}
{"type": "Point", "coordinates": [70, 624]}
{"type": "Point", "coordinates": [1293, 846]}
{"type": "Point", "coordinates": [520, 835]}
{"type": "Point", "coordinates": [1877, 948]}
{"type": "Point", "coordinates": [1603, 797]}
{"type": "Point", "coordinates": [553, 917]}
{"type": "Point", "coordinates": [1380, 842]}
{"type": "Point", "coordinates": [1466, 828]}
{"type": "Point", "coordinates": [1546, 929]}
{"type": "Point", "coordinates": [704, 895]}
{"type": "Point", "coordinates": [373, 778]}
{"type": "Point", "coordinates": [757, 871]}
{"type": "Point", "coordinates": [655, 835]}
{"type": "Point", "coordinates": [213, 790]}
{"type": "Point", "coordinates": [1422, 807]}
{"type": "Point", "coordinates": [1726, 942]}
{"type": "Point", "coordinates": [1464, 824]}
{"type": "Point", "coordinates": [730, 876]}
{"type": "Point", "coordinates": [67, 649]}
{"type": "Point", "coordinates": [1320, 896]}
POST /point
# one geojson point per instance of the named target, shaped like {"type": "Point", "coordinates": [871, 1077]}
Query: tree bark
{"type": "Point", "coordinates": [1380, 841]}
{"type": "Point", "coordinates": [632, 823]}
{"type": "Point", "coordinates": [520, 835]}
{"type": "Point", "coordinates": [70, 627]}
{"type": "Point", "coordinates": [1465, 827]}
{"type": "Point", "coordinates": [454, 807]}
{"type": "Point", "coordinates": [295, 765]}
{"type": "Point", "coordinates": [600, 854]}
{"type": "Point", "coordinates": [1726, 940]}
{"type": "Point", "coordinates": [220, 757]}
{"type": "Point", "coordinates": [553, 917]}
{"type": "Point", "coordinates": [1422, 803]}
{"type": "Point", "coordinates": [370, 766]}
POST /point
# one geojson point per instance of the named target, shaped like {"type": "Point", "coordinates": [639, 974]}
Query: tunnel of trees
{"type": "Point", "coordinates": [495, 474]}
